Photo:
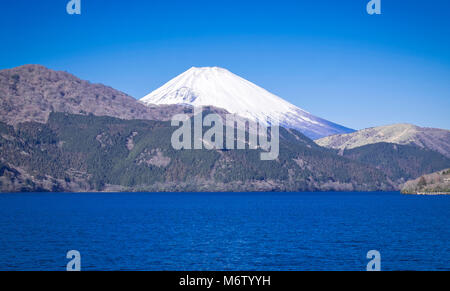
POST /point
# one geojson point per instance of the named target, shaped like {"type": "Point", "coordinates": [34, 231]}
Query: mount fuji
{"type": "Point", "coordinates": [218, 87]}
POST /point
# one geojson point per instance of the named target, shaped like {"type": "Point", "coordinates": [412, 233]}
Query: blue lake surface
{"type": "Point", "coordinates": [224, 231]}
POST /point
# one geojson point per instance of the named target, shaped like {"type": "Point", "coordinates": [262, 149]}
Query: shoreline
{"type": "Point", "coordinates": [429, 193]}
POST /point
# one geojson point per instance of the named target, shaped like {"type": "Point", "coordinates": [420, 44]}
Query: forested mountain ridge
{"type": "Point", "coordinates": [91, 153]}
{"type": "Point", "coordinates": [400, 162]}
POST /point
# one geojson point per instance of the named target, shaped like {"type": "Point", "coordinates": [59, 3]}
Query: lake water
{"type": "Point", "coordinates": [265, 231]}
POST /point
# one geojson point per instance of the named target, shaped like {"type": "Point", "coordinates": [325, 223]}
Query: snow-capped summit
{"type": "Point", "coordinates": [213, 86]}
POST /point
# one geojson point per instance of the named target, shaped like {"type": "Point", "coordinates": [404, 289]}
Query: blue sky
{"type": "Point", "coordinates": [328, 57]}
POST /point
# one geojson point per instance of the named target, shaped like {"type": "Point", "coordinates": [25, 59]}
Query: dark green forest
{"type": "Point", "coordinates": [90, 153]}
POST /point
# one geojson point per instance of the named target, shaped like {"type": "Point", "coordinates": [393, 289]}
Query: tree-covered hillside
{"type": "Point", "coordinates": [400, 162]}
{"type": "Point", "coordinates": [91, 153]}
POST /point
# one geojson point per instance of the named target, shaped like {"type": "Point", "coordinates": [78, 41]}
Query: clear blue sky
{"type": "Point", "coordinates": [329, 57]}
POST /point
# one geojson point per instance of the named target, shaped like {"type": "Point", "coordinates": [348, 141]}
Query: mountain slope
{"type": "Point", "coordinates": [220, 88]}
{"type": "Point", "coordinates": [31, 92]}
{"type": "Point", "coordinates": [400, 162]}
{"type": "Point", "coordinates": [90, 153]}
{"type": "Point", "coordinates": [403, 134]}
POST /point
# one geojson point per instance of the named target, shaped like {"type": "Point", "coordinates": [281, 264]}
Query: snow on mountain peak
{"type": "Point", "coordinates": [215, 86]}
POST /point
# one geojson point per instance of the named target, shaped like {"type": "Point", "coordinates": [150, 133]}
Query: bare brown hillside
{"type": "Point", "coordinates": [31, 92]}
